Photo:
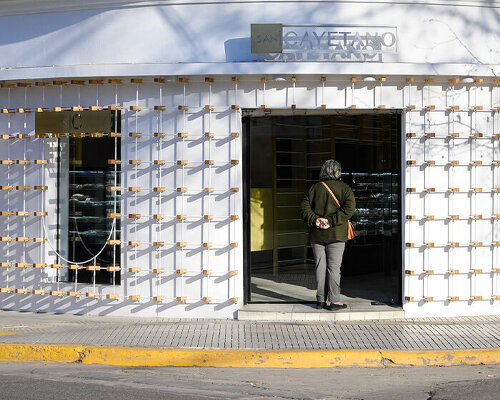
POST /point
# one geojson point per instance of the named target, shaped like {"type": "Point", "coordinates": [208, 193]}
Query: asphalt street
{"type": "Point", "coordinates": [90, 382]}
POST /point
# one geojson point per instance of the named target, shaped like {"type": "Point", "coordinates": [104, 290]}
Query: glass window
{"type": "Point", "coordinates": [89, 204]}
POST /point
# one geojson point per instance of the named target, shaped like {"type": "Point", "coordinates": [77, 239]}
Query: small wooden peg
{"type": "Point", "coordinates": [160, 135]}
{"type": "Point", "coordinates": [209, 107]}
{"type": "Point", "coordinates": [135, 134]}
{"type": "Point", "coordinates": [22, 265]}
{"type": "Point", "coordinates": [39, 291]}
{"type": "Point", "coordinates": [182, 108]}
{"type": "Point", "coordinates": [182, 135]}
{"type": "Point", "coordinates": [453, 135]}
{"type": "Point", "coordinates": [158, 244]}
{"type": "Point", "coordinates": [208, 217]}
{"type": "Point", "coordinates": [93, 295]}
{"type": "Point", "coordinates": [41, 187]}
{"type": "Point", "coordinates": [136, 80]}
{"type": "Point", "coordinates": [411, 190]}
{"type": "Point", "coordinates": [6, 290]}
{"type": "Point", "coordinates": [234, 190]}
{"type": "Point", "coordinates": [410, 244]}
{"type": "Point", "coordinates": [158, 216]}
{"type": "Point", "coordinates": [113, 242]}
{"type": "Point", "coordinates": [207, 272]}
{"type": "Point", "coordinates": [40, 265]}
{"type": "Point", "coordinates": [207, 299]}
{"type": "Point", "coordinates": [134, 189]}
{"type": "Point", "coordinates": [235, 107]}
{"type": "Point", "coordinates": [233, 217]}
{"type": "Point", "coordinates": [428, 298]}
{"type": "Point", "coordinates": [182, 299]}
{"type": "Point", "coordinates": [93, 267]}
{"type": "Point", "coordinates": [112, 296]}
{"type": "Point", "coordinates": [181, 216]}
{"type": "Point", "coordinates": [475, 298]}
{"type": "Point", "coordinates": [159, 162]}
{"type": "Point", "coordinates": [429, 244]}
{"type": "Point", "coordinates": [134, 216]}
{"type": "Point", "coordinates": [454, 217]}
{"type": "Point", "coordinates": [409, 298]}
{"type": "Point", "coordinates": [134, 269]}
{"type": "Point", "coordinates": [430, 107]}
{"type": "Point", "coordinates": [473, 163]}
{"type": "Point", "coordinates": [208, 190]}
{"type": "Point", "coordinates": [23, 291]}
{"type": "Point", "coordinates": [233, 272]}
{"type": "Point", "coordinates": [159, 108]}
{"type": "Point", "coordinates": [159, 270]}
{"type": "Point", "coordinates": [430, 135]}
{"type": "Point", "coordinates": [134, 297]}
{"type": "Point", "coordinates": [209, 162]}
{"type": "Point", "coordinates": [113, 268]}
{"type": "Point", "coordinates": [113, 215]}
{"type": "Point", "coordinates": [411, 135]}
{"type": "Point", "coordinates": [411, 162]}
{"type": "Point", "coordinates": [409, 272]}
{"type": "Point", "coordinates": [115, 81]}
{"type": "Point", "coordinates": [476, 216]}
{"type": "Point", "coordinates": [237, 134]}
{"type": "Point", "coordinates": [182, 189]}
{"type": "Point", "coordinates": [40, 239]}
{"type": "Point", "coordinates": [453, 244]}
{"type": "Point", "coordinates": [74, 294]}
{"type": "Point", "coordinates": [410, 217]}
{"type": "Point", "coordinates": [158, 298]}
{"type": "Point", "coordinates": [453, 271]}
{"type": "Point", "coordinates": [233, 245]}
{"type": "Point", "coordinates": [233, 300]}
{"type": "Point", "coordinates": [135, 108]}
{"type": "Point", "coordinates": [181, 271]}
{"type": "Point", "coordinates": [429, 80]}
{"type": "Point", "coordinates": [453, 162]}
{"type": "Point", "coordinates": [453, 298]}
{"type": "Point", "coordinates": [207, 244]}
{"type": "Point", "coordinates": [209, 135]}
{"type": "Point", "coordinates": [430, 162]}
{"type": "Point", "coordinates": [454, 190]}
{"type": "Point", "coordinates": [159, 189]}
{"type": "Point", "coordinates": [56, 293]}
{"type": "Point", "coordinates": [134, 242]}
{"type": "Point", "coordinates": [135, 162]}
{"type": "Point", "coordinates": [181, 244]}
{"type": "Point", "coordinates": [235, 162]}
{"type": "Point", "coordinates": [476, 244]}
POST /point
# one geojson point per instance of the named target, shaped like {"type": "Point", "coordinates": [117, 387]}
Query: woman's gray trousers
{"type": "Point", "coordinates": [328, 258]}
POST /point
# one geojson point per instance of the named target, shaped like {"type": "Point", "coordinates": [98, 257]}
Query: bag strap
{"type": "Point", "coordinates": [330, 191]}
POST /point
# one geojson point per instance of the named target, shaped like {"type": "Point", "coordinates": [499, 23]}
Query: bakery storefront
{"type": "Point", "coordinates": [159, 172]}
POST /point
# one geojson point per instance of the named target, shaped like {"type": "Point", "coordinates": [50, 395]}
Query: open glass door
{"type": "Point", "coordinates": [284, 155]}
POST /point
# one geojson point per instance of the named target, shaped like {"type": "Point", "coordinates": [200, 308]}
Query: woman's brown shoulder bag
{"type": "Point", "coordinates": [350, 232]}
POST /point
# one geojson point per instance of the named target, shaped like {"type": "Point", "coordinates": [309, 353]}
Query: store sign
{"type": "Point", "coordinates": [336, 43]}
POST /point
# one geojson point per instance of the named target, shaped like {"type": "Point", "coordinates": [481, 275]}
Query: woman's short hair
{"type": "Point", "coordinates": [330, 170]}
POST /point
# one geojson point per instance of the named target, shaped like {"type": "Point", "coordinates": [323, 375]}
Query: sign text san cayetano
{"type": "Point", "coordinates": [337, 43]}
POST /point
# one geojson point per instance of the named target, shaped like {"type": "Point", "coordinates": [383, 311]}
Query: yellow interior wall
{"type": "Point", "coordinates": [261, 219]}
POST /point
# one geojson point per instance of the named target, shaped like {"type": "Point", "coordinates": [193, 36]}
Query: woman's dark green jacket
{"type": "Point", "coordinates": [318, 203]}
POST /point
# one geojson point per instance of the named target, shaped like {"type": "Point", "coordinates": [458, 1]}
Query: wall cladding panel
{"type": "Point", "coordinates": [182, 262]}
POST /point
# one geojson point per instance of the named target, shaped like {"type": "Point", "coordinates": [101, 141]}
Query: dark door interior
{"type": "Point", "coordinates": [283, 157]}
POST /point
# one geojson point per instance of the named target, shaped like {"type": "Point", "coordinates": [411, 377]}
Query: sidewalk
{"type": "Point", "coordinates": [141, 341]}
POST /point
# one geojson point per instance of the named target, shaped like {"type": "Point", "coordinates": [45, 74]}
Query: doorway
{"type": "Point", "coordinates": [284, 153]}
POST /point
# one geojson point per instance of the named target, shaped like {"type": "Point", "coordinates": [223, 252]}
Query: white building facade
{"type": "Point", "coordinates": [176, 219]}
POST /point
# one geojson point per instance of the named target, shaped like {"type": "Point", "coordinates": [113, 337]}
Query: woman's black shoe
{"type": "Point", "coordinates": [320, 305]}
{"type": "Point", "coordinates": [335, 307]}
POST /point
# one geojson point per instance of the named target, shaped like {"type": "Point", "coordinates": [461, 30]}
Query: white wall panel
{"type": "Point", "coordinates": [440, 279]}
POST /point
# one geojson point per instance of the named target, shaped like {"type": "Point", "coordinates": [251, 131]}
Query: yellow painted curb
{"type": "Point", "coordinates": [164, 356]}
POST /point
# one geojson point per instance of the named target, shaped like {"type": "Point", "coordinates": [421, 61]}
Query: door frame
{"type": "Point", "coordinates": [245, 156]}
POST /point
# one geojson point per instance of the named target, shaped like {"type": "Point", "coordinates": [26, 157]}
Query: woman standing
{"type": "Point", "coordinates": [328, 226]}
